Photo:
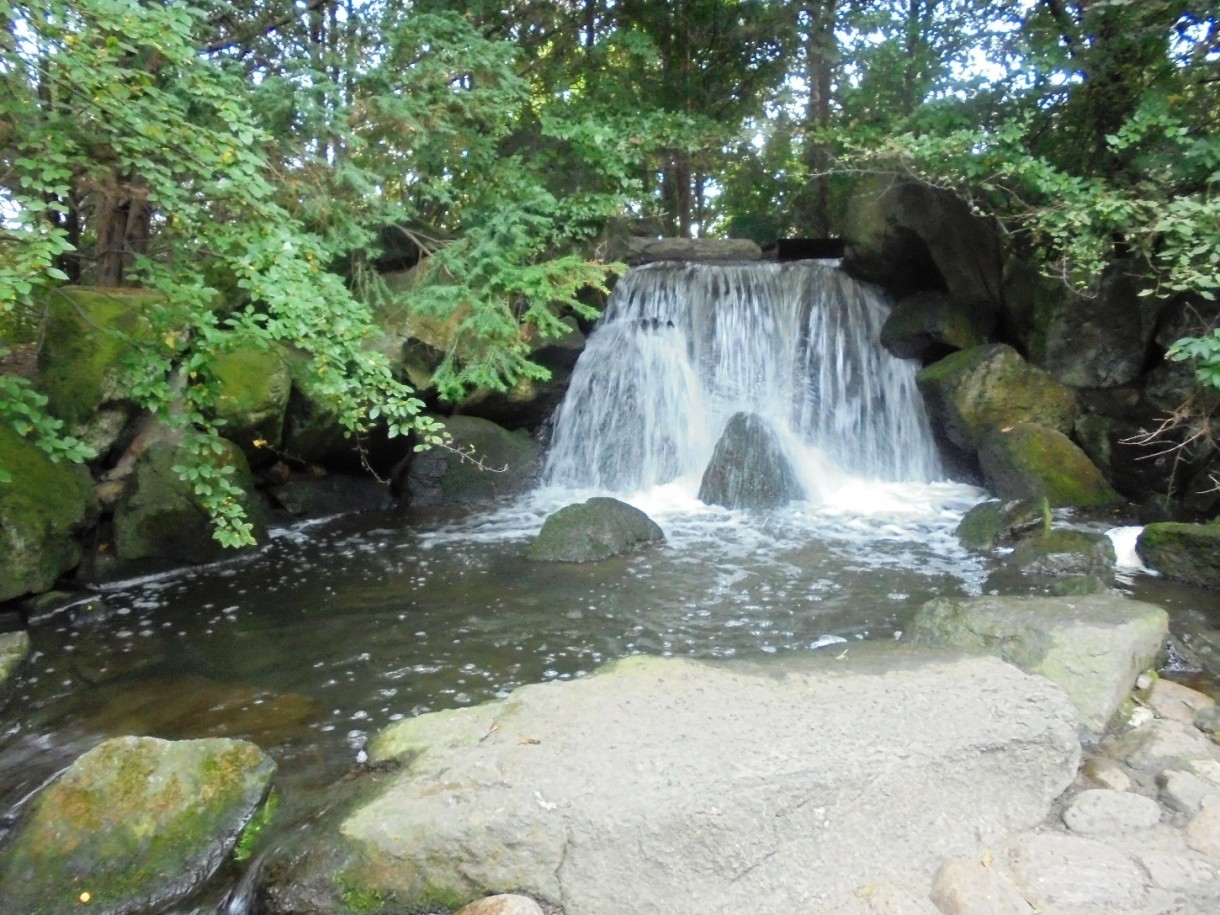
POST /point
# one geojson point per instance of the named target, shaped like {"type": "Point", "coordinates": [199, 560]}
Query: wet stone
{"type": "Point", "coordinates": [1161, 744]}
{"type": "Point", "coordinates": [1069, 873]}
{"type": "Point", "coordinates": [1107, 773]}
{"type": "Point", "coordinates": [1102, 812]}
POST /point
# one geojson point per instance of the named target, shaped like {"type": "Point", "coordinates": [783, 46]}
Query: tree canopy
{"type": "Point", "coordinates": [260, 164]}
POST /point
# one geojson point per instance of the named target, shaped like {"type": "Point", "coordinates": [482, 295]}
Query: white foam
{"type": "Point", "coordinates": [1125, 556]}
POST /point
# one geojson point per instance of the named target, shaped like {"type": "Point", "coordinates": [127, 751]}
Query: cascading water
{"type": "Point", "coordinates": [683, 347]}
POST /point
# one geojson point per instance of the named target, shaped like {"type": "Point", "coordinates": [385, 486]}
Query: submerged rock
{"type": "Point", "coordinates": [593, 530]}
{"type": "Point", "coordinates": [484, 462]}
{"type": "Point", "coordinates": [133, 824]}
{"type": "Point", "coordinates": [1030, 461]}
{"type": "Point", "coordinates": [41, 509]}
{"type": "Point", "coordinates": [1093, 646]}
{"type": "Point", "coordinates": [749, 468]}
{"type": "Point", "coordinates": [657, 785]}
{"type": "Point", "coordinates": [1186, 552]}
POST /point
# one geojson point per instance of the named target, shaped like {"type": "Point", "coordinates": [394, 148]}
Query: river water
{"type": "Point", "coordinates": [339, 627]}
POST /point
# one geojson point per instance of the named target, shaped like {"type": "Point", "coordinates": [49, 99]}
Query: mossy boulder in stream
{"type": "Point", "coordinates": [160, 517]}
{"type": "Point", "coordinates": [1185, 552]}
{"type": "Point", "coordinates": [1063, 554]}
{"type": "Point", "coordinates": [135, 823]}
{"type": "Point", "coordinates": [1093, 646]}
{"type": "Point", "coordinates": [593, 530]}
{"type": "Point", "coordinates": [484, 461]}
{"type": "Point", "coordinates": [41, 509]}
{"type": "Point", "coordinates": [1030, 461]}
{"type": "Point", "coordinates": [993, 523]}
{"type": "Point", "coordinates": [979, 390]}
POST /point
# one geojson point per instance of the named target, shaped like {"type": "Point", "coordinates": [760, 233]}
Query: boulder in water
{"type": "Point", "coordinates": [749, 468]}
{"type": "Point", "coordinates": [1186, 552]}
{"type": "Point", "coordinates": [593, 530]}
{"type": "Point", "coordinates": [1062, 554]}
{"type": "Point", "coordinates": [659, 784]}
{"type": "Point", "coordinates": [135, 823]}
{"type": "Point", "coordinates": [485, 461]}
{"type": "Point", "coordinates": [1093, 646]}
{"type": "Point", "coordinates": [995, 523]}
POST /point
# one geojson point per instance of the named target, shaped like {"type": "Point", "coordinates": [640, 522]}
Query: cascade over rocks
{"type": "Point", "coordinates": [749, 468]}
{"type": "Point", "coordinates": [1093, 646]}
{"type": "Point", "coordinates": [657, 785]}
{"type": "Point", "coordinates": [597, 529]}
{"type": "Point", "coordinates": [135, 823]}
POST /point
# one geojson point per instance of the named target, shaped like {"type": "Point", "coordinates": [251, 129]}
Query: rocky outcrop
{"type": "Point", "coordinates": [1099, 340]}
{"type": "Point", "coordinates": [1185, 552]}
{"type": "Point", "coordinates": [749, 468]}
{"type": "Point", "coordinates": [42, 509]}
{"type": "Point", "coordinates": [132, 825]}
{"type": "Point", "coordinates": [643, 788]}
{"type": "Point", "coordinates": [482, 462]}
{"type": "Point", "coordinates": [911, 237]}
{"type": "Point", "coordinates": [1030, 461]}
{"type": "Point", "coordinates": [1092, 646]}
{"type": "Point", "coordinates": [929, 325]}
{"type": "Point", "coordinates": [977, 391]}
{"type": "Point", "coordinates": [594, 530]}
{"type": "Point", "coordinates": [1062, 554]}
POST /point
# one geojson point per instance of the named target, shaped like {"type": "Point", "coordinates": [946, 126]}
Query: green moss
{"type": "Point", "coordinates": [1184, 552]}
{"type": "Point", "coordinates": [1027, 460]}
{"type": "Point", "coordinates": [254, 384]}
{"type": "Point", "coordinates": [89, 332]}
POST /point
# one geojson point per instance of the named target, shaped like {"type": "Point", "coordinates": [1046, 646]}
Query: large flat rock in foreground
{"type": "Point", "coordinates": [674, 786]}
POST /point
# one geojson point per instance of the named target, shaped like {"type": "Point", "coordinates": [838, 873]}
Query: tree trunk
{"type": "Point", "coordinates": [820, 59]}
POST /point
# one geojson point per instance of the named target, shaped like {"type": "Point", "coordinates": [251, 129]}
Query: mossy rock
{"type": "Point", "coordinates": [132, 825]}
{"type": "Point", "coordinates": [593, 530]}
{"type": "Point", "coordinates": [89, 332]}
{"type": "Point", "coordinates": [484, 462]}
{"type": "Point", "coordinates": [159, 516]}
{"type": "Point", "coordinates": [749, 468]}
{"type": "Point", "coordinates": [928, 325]}
{"type": "Point", "coordinates": [1184, 552]}
{"type": "Point", "coordinates": [995, 522]}
{"type": "Point", "coordinates": [14, 646]}
{"type": "Point", "coordinates": [41, 510]}
{"type": "Point", "coordinates": [1065, 554]}
{"type": "Point", "coordinates": [976, 391]}
{"type": "Point", "coordinates": [254, 385]}
{"type": "Point", "coordinates": [1029, 461]}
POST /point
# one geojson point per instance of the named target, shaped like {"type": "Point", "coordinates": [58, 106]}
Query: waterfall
{"type": "Point", "coordinates": [684, 347]}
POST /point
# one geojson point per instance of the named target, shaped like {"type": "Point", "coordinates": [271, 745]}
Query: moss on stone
{"type": "Point", "coordinates": [43, 506]}
{"type": "Point", "coordinates": [485, 461]}
{"type": "Point", "coordinates": [990, 523]}
{"type": "Point", "coordinates": [976, 391]}
{"type": "Point", "coordinates": [1184, 552]}
{"type": "Point", "coordinates": [133, 823]}
{"type": "Point", "coordinates": [88, 334]}
{"type": "Point", "coordinates": [254, 385]}
{"type": "Point", "coordinates": [594, 530]}
{"type": "Point", "coordinates": [1031, 461]}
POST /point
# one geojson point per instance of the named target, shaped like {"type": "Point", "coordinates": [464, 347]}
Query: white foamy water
{"type": "Point", "coordinates": [1126, 559]}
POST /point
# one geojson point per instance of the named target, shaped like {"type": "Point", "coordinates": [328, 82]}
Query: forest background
{"type": "Point", "coordinates": [261, 164]}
